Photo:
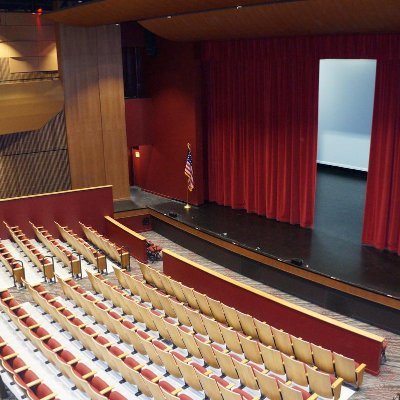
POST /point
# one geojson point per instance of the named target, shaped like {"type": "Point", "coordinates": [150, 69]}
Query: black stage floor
{"type": "Point", "coordinates": [332, 248]}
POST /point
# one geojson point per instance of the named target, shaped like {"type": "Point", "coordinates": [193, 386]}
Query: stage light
{"type": "Point", "coordinates": [40, 11]}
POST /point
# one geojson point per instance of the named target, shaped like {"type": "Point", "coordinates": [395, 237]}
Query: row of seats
{"type": "Point", "coordinates": [15, 267]}
{"type": "Point", "coordinates": [291, 345]}
{"type": "Point", "coordinates": [233, 364]}
{"type": "Point", "coordinates": [131, 368]}
{"type": "Point", "coordinates": [59, 250]}
{"type": "Point", "coordinates": [23, 374]}
{"type": "Point", "coordinates": [85, 379]}
{"type": "Point", "coordinates": [115, 252]}
{"type": "Point", "coordinates": [91, 254]}
{"type": "Point", "coordinates": [42, 262]}
{"type": "Point", "coordinates": [140, 340]}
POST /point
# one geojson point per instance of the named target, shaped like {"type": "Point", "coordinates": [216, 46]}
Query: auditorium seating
{"type": "Point", "coordinates": [41, 261]}
{"type": "Point", "coordinates": [15, 267]}
{"type": "Point", "coordinates": [59, 352]}
{"type": "Point", "coordinates": [85, 249]}
{"type": "Point", "coordinates": [115, 252]}
{"type": "Point", "coordinates": [183, 337]}
{"type": "Point", "coordinates": [261, 332]}
{"type": "Point", "coordinates": [60, 251]}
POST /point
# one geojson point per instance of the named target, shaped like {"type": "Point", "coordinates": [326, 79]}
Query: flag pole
{"type": "Point", "coordinates": [187, 205]}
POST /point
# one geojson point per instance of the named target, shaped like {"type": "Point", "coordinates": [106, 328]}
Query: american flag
{"type": "Point", "coordinates": [189, 170]}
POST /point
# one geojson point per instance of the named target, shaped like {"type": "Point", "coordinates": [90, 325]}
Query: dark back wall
{"type": "Point", "coordinates": [173, 82]}
{"type": "Point", "coordinates": [35, 162]}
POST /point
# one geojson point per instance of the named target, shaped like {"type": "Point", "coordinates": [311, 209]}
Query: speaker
{"type": "Point", "coordinates": [172, 214]}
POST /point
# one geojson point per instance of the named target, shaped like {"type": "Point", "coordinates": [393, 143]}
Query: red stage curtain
{"type": "Point", "coordinates": [261, 121]}
{"type": "Point", "coordinates": [262, 132]}
{"type": "Point", "coordinates": [382, 208]}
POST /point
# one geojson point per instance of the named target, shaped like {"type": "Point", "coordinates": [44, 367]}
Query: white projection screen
{"type": "Point", "coordinates": [346, 101]}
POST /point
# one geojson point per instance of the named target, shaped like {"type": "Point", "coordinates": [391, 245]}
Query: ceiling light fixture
{"type": "Point", "coordinates": [238, 7]}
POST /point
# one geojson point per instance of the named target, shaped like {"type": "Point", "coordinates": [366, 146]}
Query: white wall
{"type": "Point", "coordinates": [346, 99]}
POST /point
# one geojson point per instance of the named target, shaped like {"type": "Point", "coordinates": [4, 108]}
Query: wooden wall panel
{"type": "Point", "coordinates": [35, 162]}
{"type": "Point", "coordinates": [91, 67]}
{"type": "Point", "coordinates": [78, 59]}
{"type": "Point", "coordinates": [113, 108]}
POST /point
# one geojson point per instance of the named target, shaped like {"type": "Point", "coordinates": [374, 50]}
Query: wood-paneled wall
{"type": "Point", "coordinates": [35, 162]}
{"type": "Point", "coordinates": [90, 63]}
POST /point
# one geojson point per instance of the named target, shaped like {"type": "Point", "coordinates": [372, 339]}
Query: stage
{"type": "Point", "coordinates": [326, 266]}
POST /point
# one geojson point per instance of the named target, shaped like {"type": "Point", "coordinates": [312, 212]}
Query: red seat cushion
{"type": "Point", "coordinates": [167, 386]}
{"type": "Point", "coordinates": [28, 376]}
{"type": "Point", "coordinates": [160, 345]}
{"type": "Point", "coordinates": [244, 394]}
{"type": "Point", "coordinates": [199, 367]}
{"type": "Point", "coordinates": [303, 392]}
{"type": "Point", "coordinates": [131, 362]}
{"type": "Point", "coordinates": [184, 396]}
{"type": "Point", "coordinates": [128, 324]}
{"type": "Point", "coordinates": [82, 369]}
{"type": "Point", "coordinates": [147, 373]}
{"type": "Point", "coordinates": [66, 355]}
{"type": "Point", "coordinates": [98, 383]}
{"type": "Point", "coordinates": [53, 343]}
{"type": "Point", "coordinates": [116, 396]}
{"type": "Point", "coordinates": [89, 330]}
{"type": "Point", "coordinates": [178, 355]}
{"type": "Point", "coordinates": [42, 391]}
{"type": "Point", "coordinates": [116, 351]}
{"type": "Point", "coordinates": [143, 334]}
{"type": "Point", "coordinates": [102, 306]}
{"type": "Point", "coordinates": [102, 340]}
{"type": "Point", "coordinates": [220, 380]}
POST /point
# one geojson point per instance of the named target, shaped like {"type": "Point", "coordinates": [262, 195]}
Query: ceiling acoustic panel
{"type": "Point", "coordinates": [193, 20]}
{"type": "Point", "coordinates": [308, 17]}
{"type": "Point", "coordinates": [104, 12]}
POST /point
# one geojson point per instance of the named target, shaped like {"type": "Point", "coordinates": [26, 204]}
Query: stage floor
{"type": "Point", "coordinates": [330, 249]}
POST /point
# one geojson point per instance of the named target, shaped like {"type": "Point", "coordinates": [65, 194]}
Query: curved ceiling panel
{"type": "Point", "coordinates": [104, 12]}
{"type": "Point", "coordinates": [284, 19]}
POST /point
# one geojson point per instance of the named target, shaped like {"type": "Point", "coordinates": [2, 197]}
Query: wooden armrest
{"type": "Point", "coordinates": [32, 327]}
{"type": "Point", "coordinates": [244, 361]}
{"type": "Point", "coordinates": [57, 349]}
{"type": "Point", "coordinates": [2, 344]}
{"type": "Point", "coordinates": [313, 397]}
{"type": "Point", "coordinates": [49, 397]}
{"type": "Point", "coordinates": [89, 375]}
{"type": "Point", "coordinates": [81, 326]}
{"type": "Point", "coordinates": [51, 301]}
{"type": "Point", "coordinates": [156, 379]}
{"type": "Point", "coordinates": [176, 391]}
{"type": "Point", "coordinates": [360, 368]}
{"type": "Point", "coordinates": [74, 361]}
{"type": "Point", "coordinates": [207, 373]}
{"type": "Point", "coordinates": [45, 337]}
{"type": "Point", "coordinates": [138, 367]}
{"type": "Point", "coordinates": [21, 369]}
{"type": "Point", "coordinates": [249, 337]}
{"type": "Point", "coordinates": [71, 316]}
{"type": "Point", "coordinates": [123, 355]}
{"type": "Point", "coordinates": [107, 345]}
{"type": "Point", "coordinates": [61, 308]}
{"type": "Point", "coordinates": [230, 386]}
{"type": "Point", "coordinates": [337, 383]}
{"type": "Point", "coordinates": [8, 298]}
{"type": "Point", "coordinates": [23, 316]}
{"type": "Point", "coordinates": [34, 383]}
{"type": "Point", "coordinates": [8, 357]}
{"type": "Point", "coordinates": [15, 307]}
{"type": "Point", "coordinates": [106, 390]}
